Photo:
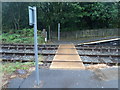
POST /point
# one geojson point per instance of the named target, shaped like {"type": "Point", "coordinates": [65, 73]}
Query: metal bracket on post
{"type": "Point", "coordinates": [33, 21]}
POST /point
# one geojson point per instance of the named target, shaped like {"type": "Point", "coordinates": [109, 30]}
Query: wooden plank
{"type": "Point", "coordinates": [67, 65]}
{"type": "Point", "coordinates": [100, 41]}
{"type": "Point", "coordinates": [67, 58]}
{"type": "Point", "coordinates": [67, 61]}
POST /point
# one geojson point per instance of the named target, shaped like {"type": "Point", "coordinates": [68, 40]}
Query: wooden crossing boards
{"type": "Point", "coordinates": [67, 58]}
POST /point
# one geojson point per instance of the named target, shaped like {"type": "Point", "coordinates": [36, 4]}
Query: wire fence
{"type": "Point", "coordinates": [75, 35]}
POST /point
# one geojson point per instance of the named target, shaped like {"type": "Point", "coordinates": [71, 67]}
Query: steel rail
{"type": "Point", "coordinates": [31, 48]}
{"type": "Point", "coordinates": [52, 45]}
{"type": "Point", "coordinates": [45, 54]}
{"type": "Point", "coordinates": [50, 61]}
{"type": "Point", "coordinates": [55, 48]}
{"type": "Point", "coordinates": [29, 45]}
{"type": "Point", "coordinates": [86, 62]}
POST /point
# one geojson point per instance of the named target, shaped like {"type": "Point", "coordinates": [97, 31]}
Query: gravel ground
{"type": "Point", "coordinates": [28, 58]}
{"type": "Point", "coordinates": [96, 52]}
{"type": "Point", "coordinates": [95, 59]}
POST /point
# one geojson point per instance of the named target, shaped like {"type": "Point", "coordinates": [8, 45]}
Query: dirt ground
{"type": "Point", "coordinates": [97, 66]}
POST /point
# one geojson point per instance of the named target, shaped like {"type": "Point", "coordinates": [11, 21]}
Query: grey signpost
{"type": "Point", "coordinates": [58, 31]}
{"type": "Point", "coordinates": [33, 22]}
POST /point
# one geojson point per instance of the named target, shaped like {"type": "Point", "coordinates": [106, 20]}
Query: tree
{"type": "Point", "coordinates": [71, 15]}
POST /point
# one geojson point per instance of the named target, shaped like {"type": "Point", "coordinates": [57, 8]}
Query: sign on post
{"type": "Point", "coordinates": [31, 16]}
{"type": "Point", "coordinates": [33, 22]}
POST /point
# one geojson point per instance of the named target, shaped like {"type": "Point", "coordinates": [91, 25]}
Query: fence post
{"type": "Point", "coordinates": [49, 32]}
{"type": "Point", "coordinates": [58, 31]}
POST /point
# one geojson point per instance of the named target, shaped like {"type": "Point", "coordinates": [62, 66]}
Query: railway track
{"type": "Point", "coordinates": [54, 45]}
{"type": "Point", "coordinates": [11, 56]}
{"type": "Point", "coordinates": [55, 48]}
{"type": "Point", "coordinates": [28, 45]}
{"type": "Point", "coordinates": [111, 61]}
{"type": "Point", "coordinates": [46, 54]}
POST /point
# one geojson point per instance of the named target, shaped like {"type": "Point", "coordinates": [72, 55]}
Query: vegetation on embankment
{"type": "Point", "coordinates": [25, 36]}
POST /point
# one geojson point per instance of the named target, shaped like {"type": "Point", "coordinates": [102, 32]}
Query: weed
{"type": "Point", "coordinates": [11, 67]}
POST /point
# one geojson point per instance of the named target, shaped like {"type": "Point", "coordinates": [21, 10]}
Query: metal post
{"type": "Point", "coordinates": [46, 36]}
{"type": "Point", "coordinates": [36, 46]}
{"type": "Point", "coordinates": [76, 35]}
{"type": "Point", "coordinates": [49, 32]}
{"type": "Point", "coordinates": [58, 31]}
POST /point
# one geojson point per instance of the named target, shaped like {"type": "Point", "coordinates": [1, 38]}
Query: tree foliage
{"type": "Point", "coordinates": [71, 15]}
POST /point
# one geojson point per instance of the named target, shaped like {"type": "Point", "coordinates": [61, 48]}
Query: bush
{"type": "Point", "coordinates": [11, 67]}
{"type": "Point", "coordinates": [21, 36]}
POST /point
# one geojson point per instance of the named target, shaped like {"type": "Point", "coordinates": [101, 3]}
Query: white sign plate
{"type": "Point", "coordinates": [31, 16]}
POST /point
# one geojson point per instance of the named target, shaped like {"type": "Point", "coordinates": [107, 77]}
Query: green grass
{"type": "Point", "coordinates": [11, 67]}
